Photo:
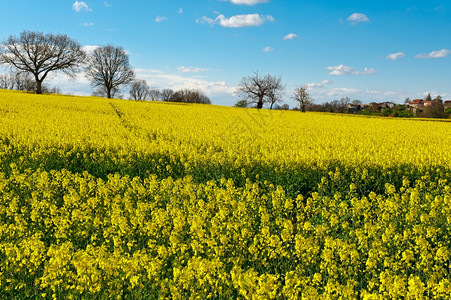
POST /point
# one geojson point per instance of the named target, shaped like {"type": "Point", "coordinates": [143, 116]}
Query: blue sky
{"type": "Point", "coordinates": [367, 50]}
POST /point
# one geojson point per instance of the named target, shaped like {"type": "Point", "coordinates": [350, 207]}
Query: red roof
{"type": "Point", "coordinates": [447, 101]}
{"type": "Point", "coordinates": [417, 101]}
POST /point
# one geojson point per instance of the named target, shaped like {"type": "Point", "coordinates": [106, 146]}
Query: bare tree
{"type": "Point", "coordinates": [302, 97]}
{"type": "Point", "coordinates": [190, 96]}
{"type": "Point", "coordinates": [276, 91]}
{"type": "Point", "coordinates": [24, 82]}
{"type": "Point", "coordinates": [101, 91]}
{"type": "Point", "coordinates": [166, 95]}
{"type": "Point", "coordinates": [7, 81]}
{"type": "Point", "coordinates": [40, 54]}
{"type": "Point", "coordinates": [139, 90]}
{"type": "Point", "coordinates": [18, 81]}
{"type": "Point", "coordinates": [343, 104]}
{"type": "Point", "coordinates": [108, 67]}
{"type": "Point", "coordinates": [260, 90]}
{"type": "Point", "coordinates": [154, 95]}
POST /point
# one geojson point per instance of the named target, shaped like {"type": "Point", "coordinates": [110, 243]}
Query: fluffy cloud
{"type": "Point", "coordinates": [357, 18]}
{"type": "Point", "coordinates": [345, 70]}
{"type": "Point", "coordinates": [205, 20]}
{"type": "Point", "coordinates": [90, 48]}
{"type": "Point", "coordinates": [321, 84]}
{"type": "Point", "coordinates": [159, 19]}
{"type": "Point", "coordinates": [395, 56]}
{"type": "Point", "coordinates": [290, 36]}
{"type": "Point", "coordinates": [184, 69]}
{"type": "Point", "coordinates": [268, 49]}
{"type": "Point", "coordinates": [87, 24]}
{"type": "Point", "coordinates": [435, 54]}
{"type": "Point", "coordinates": [326, 94]}
{"type": "Point", "coordinates": [164, 80]}
{"type": "Point", "coordinates": [248, 2]}
{"type": "Point", "coordinates": [81, 86]}
{"type": "Point", "coordinates": [237, 20]}
{"type": "Point", "coordinates": [342, 91]}
{"type": "Point", "coordinates": [434, 94]}
{"type": "Point", "coordinates": [180, 11]}
{"type": "Point", "coordinates": [80, 5]}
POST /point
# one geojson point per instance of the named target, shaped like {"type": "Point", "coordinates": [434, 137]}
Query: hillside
{"type": "Point", "coordinates": [221, 202]}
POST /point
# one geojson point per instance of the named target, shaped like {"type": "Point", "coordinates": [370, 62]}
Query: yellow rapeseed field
{"type": "Point", "coordinates": [104, 198]}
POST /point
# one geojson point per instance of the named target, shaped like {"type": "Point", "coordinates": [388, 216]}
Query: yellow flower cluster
{"type": "Point", "coordinates": [114, 199]}
{"type": "Point", "coordinates": [72, 234]}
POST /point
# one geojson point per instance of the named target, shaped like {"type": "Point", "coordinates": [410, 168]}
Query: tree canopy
{"type": "Point", "coordinates": [108, 68]}
{"type": "Point", "coordinates": [39, 54]}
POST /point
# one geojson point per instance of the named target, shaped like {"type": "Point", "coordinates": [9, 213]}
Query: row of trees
{"type": "Point", "coordinates": [32, 56]}
{"type": "Point", "coordinates": [23, 82]}
{"type": "Point", "coordinates": [257, 90]}
{"type": "Point", "coordinates": [140, 90]}
{"type": "Point", "coordinates": [38, 55]}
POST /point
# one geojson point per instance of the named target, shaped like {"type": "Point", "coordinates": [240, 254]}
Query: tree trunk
{"type": "Point", "coordinates": [260, 103]}
{"type": "Point", "coordinates": [108, 93]}
{"type": "Point", "coordinates": [38, 87]}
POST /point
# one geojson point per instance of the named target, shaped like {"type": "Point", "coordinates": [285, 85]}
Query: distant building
{"type": "Point", "coordinates": [447, 104]}
{"type": "Point", "coordinates": [380, 107]}
{"type": "Point", "coordinates": [384, 105]}
{"type": "Point", "coordinates": [415, 105]}
{"type": "Point", "coordinates": [353, 108]}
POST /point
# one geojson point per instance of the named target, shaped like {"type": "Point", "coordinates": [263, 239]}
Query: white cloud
{"type": "Point", "coordinates": [90, 48]}
{"type": "Point", "coordinates": [248, 2]}
{"type": "Point", "coordinates": [357, 18]}
{"type": "Point", "coordinates": [237, 20]}
{"type": "Point", "coordinates": [321, 84]}
{"type": "Point", "coordinates": [434, 94]}
{"type": "Point", "coordinates": [395, 56]}
{"type": "Point", "coordinates": [290, 36]}
{"type": "Point", "coordinates": [268, 49]}
{"type": "Point", "coordinates": [342, 91]}
{"type": "Point", "coordinates": [180, 11]}
{"type": "Point", "coordinates": [205, 20]}
{"type": "Point", "coordinates": [79, 86]}
{"type": "Point", "coordinates": [80, 5]}
{"type": "Point", "coordinates": [159, 19]}
{"type": "Point", "coordinates": [340, 70]}
{"type": "Point", "coordinates": [219, 91]}
{"type": "Point", "coordinates": [243, 20]}
{"type": "Point", "coordinates": [345, 70]}
{"type": "Point", "coordinates": [366, 71]}
{"type": "Point", "coordinates": [435, 54]}
{"type": "Point", "coordinates": [184, 69]}
{"type": "Point", "coordinates": [87, 24]}
{"type": "Point", "coordinates": [325, 93]}
{"type": "Point", "coordinates": [163, 80]}
{"type": "Point", "coordinates": [107, 4]}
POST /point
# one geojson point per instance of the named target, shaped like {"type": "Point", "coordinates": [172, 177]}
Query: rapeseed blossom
{"type": "Point", "coordinates": [184, 201]}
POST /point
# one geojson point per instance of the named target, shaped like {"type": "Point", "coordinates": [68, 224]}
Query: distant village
{"type": "Point", "coordinates": [425, 108]}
